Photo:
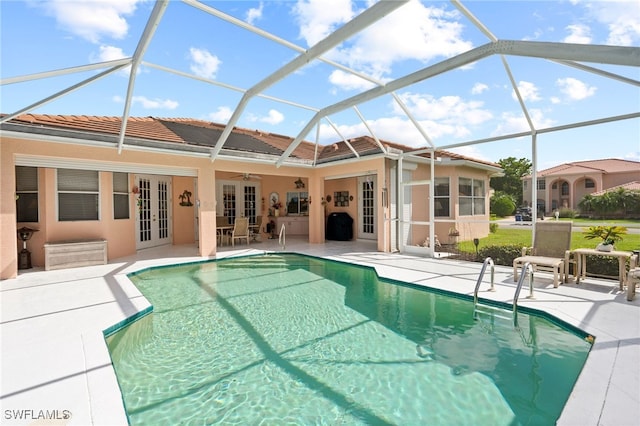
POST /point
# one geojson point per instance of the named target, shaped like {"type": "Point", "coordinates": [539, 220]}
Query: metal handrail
{"type": "Point", "coordinates": [487, 261]}
{"type": "Point", "coordinates": [527, 269]}
{"type": "Point", "coordinates": [282, 238]}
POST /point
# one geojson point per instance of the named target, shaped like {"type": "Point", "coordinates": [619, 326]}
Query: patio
{"type": "Point", "coordinates": [55, 362]}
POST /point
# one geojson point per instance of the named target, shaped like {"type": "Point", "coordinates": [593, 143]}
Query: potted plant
{"type": "Point", "coordinates": [608, 236]}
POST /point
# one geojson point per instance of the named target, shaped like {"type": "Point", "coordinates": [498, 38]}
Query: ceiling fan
{"type": "Point", "coordinates": [247, 176]}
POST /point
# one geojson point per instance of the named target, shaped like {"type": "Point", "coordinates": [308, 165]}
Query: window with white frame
{"type": "Point", "coordinates": [442, 197]}
{"type": "Point", "coordinates": [542, 184]}
{"type": "Point", "coordinates": [120, 195]}
{"type": "Point", "coordinates": [589, 183]}
{"type": "Point", "coordinates": [471, 196]}
{"type": "Point", "coordinates": [78, 195]}
{"type": "Point", "coordinates": [26, 194]}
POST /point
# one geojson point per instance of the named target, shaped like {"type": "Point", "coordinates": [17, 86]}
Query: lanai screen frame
{"type": "Point", "coordinates": [571, 55]}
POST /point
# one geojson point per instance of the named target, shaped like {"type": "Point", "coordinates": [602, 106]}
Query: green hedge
{"type": "Point", "coordinates": [503, 255]}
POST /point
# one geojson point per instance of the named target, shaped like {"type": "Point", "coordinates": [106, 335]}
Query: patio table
{"type": "Point", "coordinates": [581, 257]}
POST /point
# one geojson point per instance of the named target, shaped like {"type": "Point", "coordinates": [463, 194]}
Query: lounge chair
{"type": "Point", "coordinates": [550, 251]}
{"type": "Point", "coordinates": [240, 230]}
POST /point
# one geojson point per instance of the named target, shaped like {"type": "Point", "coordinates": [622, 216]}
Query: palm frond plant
{"type": "Point", "coordinates": [608, 235]}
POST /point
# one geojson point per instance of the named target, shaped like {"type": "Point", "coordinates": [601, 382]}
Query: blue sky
{"type": "Point", "coordinates": [470, 103]}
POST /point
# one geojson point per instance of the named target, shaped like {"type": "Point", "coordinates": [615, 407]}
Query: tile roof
{"type": "Point", "coordinates": [189, 132]}
{"type": "Point", "coordinates": [629, 186]}
{"type": "Point", "coordinates": [605, 166]}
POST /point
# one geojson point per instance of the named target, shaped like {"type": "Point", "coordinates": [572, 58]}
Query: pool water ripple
{"type": "Point", "coordinates": [296, 340]}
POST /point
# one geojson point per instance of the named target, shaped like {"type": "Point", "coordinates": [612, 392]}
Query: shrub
{"type": "Point", "coordinates": [567, 213]}
{"type": "Point", "coordinates": [493, 228]}
{"type": "Point", "coordinates": [502, 205]}
{"type": "Point", "coordinates": [501, 255]}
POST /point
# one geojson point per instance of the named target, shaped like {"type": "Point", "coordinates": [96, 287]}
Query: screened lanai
{"type": "Point", "coordinates": [327, 74]}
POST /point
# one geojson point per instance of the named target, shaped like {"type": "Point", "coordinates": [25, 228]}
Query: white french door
{"type": "Point", "coordinates": [153, 211]}
{"type": "Point", "coordinates": [367, 208]}
{"type": "Point", "coordinates": [238, 199]}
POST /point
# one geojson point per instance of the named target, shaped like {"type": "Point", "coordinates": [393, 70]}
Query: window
{"type": "Point", "coordinates": [524, 185]}
{"type": "Point", "coordinates": [298, 203]}
{"type": "Point", "coordinates": [78, 192]}
{"type": "Point", "coordinates": [441, 197]}
{"type": "Point", "coordinates": [542, 184]}
{"type": "Point", "coordinates": [589, 183]}
{"type": "Point", "coordinates": [26, 194]}
{"type": "Point", "coordinates": [471, 197]}
{"type": "Point", "coordinates": [564, 188]}
{"type": "Point", "coordinates": [120, 196]}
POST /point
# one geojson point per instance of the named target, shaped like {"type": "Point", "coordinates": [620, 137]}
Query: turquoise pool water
{"type": "Point", "coordinates": [291, 339]}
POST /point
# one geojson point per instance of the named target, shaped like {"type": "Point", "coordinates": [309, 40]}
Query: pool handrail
{"type": "Point", "coordinates": [282, 238]}
{"type": "Point", "coordinates": [487, 261]}
{"type": "Point", "coordinates": [527, 269]}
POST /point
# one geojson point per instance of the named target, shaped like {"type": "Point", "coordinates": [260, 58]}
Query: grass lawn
{"type": "Point", "coordinates": [522, 237]}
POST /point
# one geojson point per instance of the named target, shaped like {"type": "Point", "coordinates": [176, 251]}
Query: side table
{"type": "Point", "coordinates": [582, 253]}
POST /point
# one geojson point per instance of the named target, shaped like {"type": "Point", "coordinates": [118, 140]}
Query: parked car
{"type": "Point", "coordinates": [524, 214]}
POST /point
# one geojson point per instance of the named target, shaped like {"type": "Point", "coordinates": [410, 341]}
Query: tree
{"type": "Point", "coordinates": [511, 182]}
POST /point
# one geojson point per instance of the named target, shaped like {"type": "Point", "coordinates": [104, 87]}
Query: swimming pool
{"type": "Point", "coordinates": [294, 339]}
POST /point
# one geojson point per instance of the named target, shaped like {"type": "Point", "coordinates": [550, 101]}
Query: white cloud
{"type": "Point", "coordinates": [154, 103]}
{"type": "Point", "coordinates": [575, 89]}
{"type": "Point", "coordinates": [528, 91]}
{"type": "Point", "coordinates": [434, 32]}
{"type": "Point", "coordinates": [450, 110]}
{"type": "Point", "coordinates": [274, 117]}
{"type": "Point", "coordinates": [254, 14]}
{"type": "Point", "coordinates": [92, 20]}
{"type": "Point", "coordinates": [110, 53]}
{"type": "Point", "coordinates": [578, 33]}
{"type": "Point", "coordinates": [439, 117]}
{"type": "Point", "coordinates": [517, 122]}
{"type": "Point", "coordinates": [222, 114]}
{"type": "Point", "coordinates": [348, 81]}
{"type": "Point", "coordinates": [478, 88]}
{"type": "Point", "coordinates": [319, 18]}
{"type": "Point", "coordinates": [622, 19]}
{"type": "Point", "coordinates": [204, 64]}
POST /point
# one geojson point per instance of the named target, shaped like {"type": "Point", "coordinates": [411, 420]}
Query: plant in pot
{"type": "Point", "coordinates": [608, 236]}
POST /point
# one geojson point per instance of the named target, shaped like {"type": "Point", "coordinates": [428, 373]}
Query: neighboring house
{"type": "Point", "coordinates": [73, 178]}
{"type": "Point", "coordinates": [565, 185]}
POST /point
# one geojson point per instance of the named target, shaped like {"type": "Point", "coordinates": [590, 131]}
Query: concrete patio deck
{"type": "Point", "coordinates": [56, 368]}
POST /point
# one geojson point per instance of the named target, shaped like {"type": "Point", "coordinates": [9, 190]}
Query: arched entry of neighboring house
{"type": "Point", "coordinates": [153, 211]}
{"type": "Point", "coordinates": [367, 210]}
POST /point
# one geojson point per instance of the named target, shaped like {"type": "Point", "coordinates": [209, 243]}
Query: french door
{"type": "Point", "coordinates": [153, 211]}
{"type": "Point", "coordinates": [238, 199]}
{"type": "Point", "coordinates": [367, 208]}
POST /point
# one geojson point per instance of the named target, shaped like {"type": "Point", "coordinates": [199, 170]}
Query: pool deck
{"type": "Point", "coordinates": [55, 363]}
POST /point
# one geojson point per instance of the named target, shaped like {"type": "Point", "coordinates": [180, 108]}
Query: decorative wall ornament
{"type": "Point", "coordinates": [185, 198]}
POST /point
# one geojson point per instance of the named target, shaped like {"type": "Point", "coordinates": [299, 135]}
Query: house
{"type": "Point", "coordinates": [72, 178]}
{"type": "Point", "coordinates": [565, 185]}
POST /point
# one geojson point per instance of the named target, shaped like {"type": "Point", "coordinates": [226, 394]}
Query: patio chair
{"type": "Point", "coordinates": [550, 251]}
{"type": "Point", "coordinates": [256, 229]}
{"type": "Point", "coordinates": [240, 230]}
{"type": "Point", "coordinates": [222, 234]}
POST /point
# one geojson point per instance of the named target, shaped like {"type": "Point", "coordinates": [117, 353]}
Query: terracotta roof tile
{"type": "Point", "coordinates": [608, 165]}
{"type": "Point", "coordinates": [190, 131]}
{"type": "Point", "coordinates": [629, 186]}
